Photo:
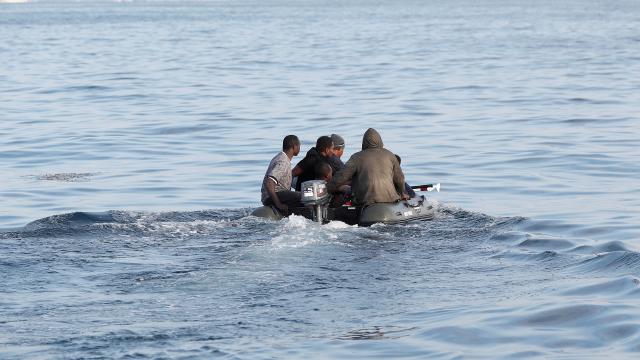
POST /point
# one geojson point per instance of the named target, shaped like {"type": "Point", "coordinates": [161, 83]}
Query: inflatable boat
{"type": "Point", "coordinates": [315, 197]}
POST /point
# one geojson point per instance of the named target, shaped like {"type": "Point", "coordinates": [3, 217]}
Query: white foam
{"type": "Point", "coordinates": [298, 231]}
{"type": "Point", "coordinates": [339, 225]}
{"type": "Point", "coordinates": [297, 222]}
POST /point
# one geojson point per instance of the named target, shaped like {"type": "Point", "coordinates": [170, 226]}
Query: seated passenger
{"type": "Point", "coordinates": [324, 172]}
{"type": "Point", "coordinates": [276, 185]}
{"type": "Point", "coordinates": [338, 150]}
{"type": "Point", "coordinates": [407, 187]}
{"type": "Point", "coordinates": [374, 172]}
{"type": "Point", "coordinates": [306, 168]}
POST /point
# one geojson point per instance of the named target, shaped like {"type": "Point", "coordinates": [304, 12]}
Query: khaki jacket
{"type": "Point", "coordinates": [374, 172]}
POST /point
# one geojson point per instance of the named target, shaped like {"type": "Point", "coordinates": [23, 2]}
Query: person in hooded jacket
{"type": "Point", "coordinates": [306, 169]}
{"type": "Point", "coordinates": [375, 174]}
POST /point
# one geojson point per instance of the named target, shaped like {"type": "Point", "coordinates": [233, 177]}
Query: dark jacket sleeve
{"type": "Point", "coordinates": [304, 163]}
{"type": "Point", "coordinates": [336, 164]}
{"type": "Point", "coordinates": [398, 176]}
{"type": "Point", "coordinates": [409, 190]}
{"type": "Point", "coordinates": [343, 176]}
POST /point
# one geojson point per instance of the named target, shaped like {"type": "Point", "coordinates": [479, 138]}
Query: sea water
{"type": "Point", "coordinates": [134, 138]}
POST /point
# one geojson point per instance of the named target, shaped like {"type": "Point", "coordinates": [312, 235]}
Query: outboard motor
{"type": "Point", "coordinates": [315, 194]}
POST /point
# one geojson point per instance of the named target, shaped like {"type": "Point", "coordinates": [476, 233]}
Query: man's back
{"type": "Point", "coordinates": [306, 169]}
{"type": "Point", "coordinates": [279, 171]}
{"type": "Point", "coordinates": [308, 166]}
{"type": "Point", "coordinates": [373, 179]}
{"type": "Point", "coordinates": [375, 173]}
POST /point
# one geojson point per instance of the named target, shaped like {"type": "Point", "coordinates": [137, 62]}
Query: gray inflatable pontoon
{"type": "Point", "coordinates": [417, 208]}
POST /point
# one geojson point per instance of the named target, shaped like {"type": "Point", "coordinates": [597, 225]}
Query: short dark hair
{"type": "Point", "coordinates": [322, 169]}
{"type": "Point", "coordinates": [289, 142]}
{"type": "Point", "coordinates": [323, 142]}
{"type": "Point", "coordinates": [399, 160]}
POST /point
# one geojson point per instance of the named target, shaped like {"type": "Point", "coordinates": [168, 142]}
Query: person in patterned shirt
{"type": "Point", "coordinates": [276, 185]}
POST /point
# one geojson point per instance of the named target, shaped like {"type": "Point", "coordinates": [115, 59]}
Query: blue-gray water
{"type": "Point", "coordinates": [134, 138]}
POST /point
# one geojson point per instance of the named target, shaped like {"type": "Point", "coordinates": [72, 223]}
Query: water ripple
{"type": "Point", "coordinates": [135, 137]}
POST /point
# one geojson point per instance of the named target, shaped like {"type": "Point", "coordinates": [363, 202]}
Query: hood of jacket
{"type": "Point", "coordinates": [372, 140]}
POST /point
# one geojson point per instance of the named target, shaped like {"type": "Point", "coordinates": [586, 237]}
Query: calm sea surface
{"type": "Point", "coordinates": [134, 138]}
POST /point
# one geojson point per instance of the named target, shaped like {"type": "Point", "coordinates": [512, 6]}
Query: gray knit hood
{"type": "Point", "coordinates": [372, 140]}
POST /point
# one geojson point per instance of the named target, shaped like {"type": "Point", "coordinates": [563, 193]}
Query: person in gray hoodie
{"type": "Point", "coordinates": [374, 172]}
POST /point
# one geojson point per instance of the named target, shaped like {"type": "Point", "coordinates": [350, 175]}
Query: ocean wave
{"type": "Point", "coordinates": [162, 224]}
{"type": "Point", "coordinates": [546, 243]}
{"type": "Point", "coordinates": [613, 287]}
{"type": "Point", "coordinates": [618, 262]}
{"type": "Point", "coordinates": [605, 247]}
{"type": "Point", "coordinates": [64, 177]}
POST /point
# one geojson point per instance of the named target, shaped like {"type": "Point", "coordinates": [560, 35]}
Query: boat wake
{"type": "Point", "coordinates": [507, 237]}
{"type": "Point", "coordinates": [463, 280]}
